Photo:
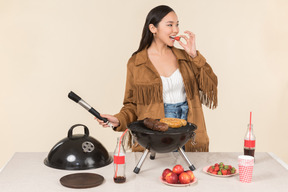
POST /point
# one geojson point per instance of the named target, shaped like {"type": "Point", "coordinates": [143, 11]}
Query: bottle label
{"type": "Point", "coordinates": [249, 143]}
{"type": "Point", "coordinates": [119, 159]}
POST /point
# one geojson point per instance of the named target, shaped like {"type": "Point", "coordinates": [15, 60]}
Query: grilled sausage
{"type": "Point", "coordinates": [155, 124]}
{"type": "Point", "coordinates": [174, 122]}
{"type": "Point", "coordinates": [149, 123]}
{"type": "Point", "coordinates": [160, 126]}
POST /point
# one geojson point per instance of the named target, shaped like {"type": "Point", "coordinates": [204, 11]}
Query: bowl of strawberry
{"type": "Point", "coordinates": [220, 170]}
{"type": "Point", "coordinates": [177, 176]}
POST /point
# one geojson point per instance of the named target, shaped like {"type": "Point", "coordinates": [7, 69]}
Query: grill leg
{"type": "Point", "coordinates": [152, 155]}
{"type": "Point", "coordinates": [191, 167]}
{"type": "Point", "coordinates": [138, 166]}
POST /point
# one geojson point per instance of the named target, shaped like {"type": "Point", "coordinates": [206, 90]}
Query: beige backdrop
{"type": "Point", "coordinates": [48, 48]}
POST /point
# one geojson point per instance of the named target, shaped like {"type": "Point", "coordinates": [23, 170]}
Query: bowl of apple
{"type": "Point", "coordinates": [178, 177]}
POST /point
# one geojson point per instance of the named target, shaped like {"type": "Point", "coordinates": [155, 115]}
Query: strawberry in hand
{"type": "Point", "coordinates": [177, 38]}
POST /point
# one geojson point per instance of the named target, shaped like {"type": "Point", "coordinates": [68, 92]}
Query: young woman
{"type": "Point", "coordinates": [164, 81]}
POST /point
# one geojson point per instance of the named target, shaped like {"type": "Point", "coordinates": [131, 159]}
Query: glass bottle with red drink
{"type": "Point", "coordinates": [119, 162]}
{"type": "Point", "coordinates": [249, 141]}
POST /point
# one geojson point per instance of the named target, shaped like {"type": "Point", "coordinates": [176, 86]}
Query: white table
{"type": "Point", "coordinates": [27, 172]}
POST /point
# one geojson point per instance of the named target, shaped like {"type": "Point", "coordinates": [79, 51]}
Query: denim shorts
{"type": "Point", "coordinates": [177, 110]}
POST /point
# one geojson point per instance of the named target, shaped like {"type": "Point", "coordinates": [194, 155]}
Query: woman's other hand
{"type": "Point", "coordinates": [113, 120]}
{"type": "Point", "coordinates": [190, 46]}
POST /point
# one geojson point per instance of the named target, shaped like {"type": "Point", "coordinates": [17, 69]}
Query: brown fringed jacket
{"type": "Point", "coordinates": [144, 98]}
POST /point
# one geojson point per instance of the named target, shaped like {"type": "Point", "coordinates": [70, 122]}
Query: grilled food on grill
{"type": "Point", "coordinates": [174, 122]}
{"type": "Point", "coordinates": [154, 124]}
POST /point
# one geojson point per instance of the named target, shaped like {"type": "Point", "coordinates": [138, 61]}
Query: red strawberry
{"type": "Point", "coordinates": [228, 172]}
{"type": "Point", "coordinates": [177, 38]}
{"type": "Point", "coordinates": [214, 172]}
{"type": "Point", "coordinates": [224, 172]}
{"type": "Point", "coordinates": [216, 169]}
{"type": "Point", "coordinates": [210, 169]}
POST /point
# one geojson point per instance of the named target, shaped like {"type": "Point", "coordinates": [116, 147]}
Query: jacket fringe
{"type": "Point", "coordinates": [128, 140]}
{"type": "Point", "coordinates": [189, 89]}
{"type": "Point", "coordinates": [189, 147]}
{"type": "Point", "coordinates": [147, 94]}
{"type": "Point", "coordinates": [208, 91]}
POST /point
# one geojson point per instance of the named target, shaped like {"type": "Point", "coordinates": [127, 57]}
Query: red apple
{"type": "Point", "coordinates": [178, 169]}
{"type": "Point", "coordinates": [191, 174]}
{"type": "Point", "coordinates": [165, 172]}
{"type": "Point", "coordinates": [172, 178]}
{"type": "Point", "coordinates": [184, 178]}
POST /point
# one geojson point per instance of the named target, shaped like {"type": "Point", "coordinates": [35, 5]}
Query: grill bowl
{"type": "Point", "coordinates": [161, 142]}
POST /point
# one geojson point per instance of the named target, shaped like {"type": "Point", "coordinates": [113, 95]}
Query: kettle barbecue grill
{"type": "Point", "coordinates": [161, 142]}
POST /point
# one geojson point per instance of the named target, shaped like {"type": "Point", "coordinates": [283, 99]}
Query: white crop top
{"type": "Point", "coordinates": [173, 88]}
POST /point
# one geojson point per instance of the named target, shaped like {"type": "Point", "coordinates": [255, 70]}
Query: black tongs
{"type": "Point", "coordinates": [81, 102]}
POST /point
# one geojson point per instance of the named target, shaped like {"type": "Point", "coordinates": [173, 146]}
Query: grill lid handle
{"type": "Point", "coordinates": [70, 132]}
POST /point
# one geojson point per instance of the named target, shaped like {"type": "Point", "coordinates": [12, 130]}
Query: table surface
{"type": "Point", "coordinates": [27, 172]}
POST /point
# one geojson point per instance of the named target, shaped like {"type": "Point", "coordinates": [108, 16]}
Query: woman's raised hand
{"type": "Point", "coordinates": [190, 46]}
{"type": "Point", "coordinates": [113, 120]}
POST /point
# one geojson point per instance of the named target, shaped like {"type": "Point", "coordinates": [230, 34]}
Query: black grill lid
{"type": "Point", "coordinates": [78, 152]}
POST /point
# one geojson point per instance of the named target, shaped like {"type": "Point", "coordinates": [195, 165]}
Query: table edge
{"type": "Point", "coordinates": [281, 162]}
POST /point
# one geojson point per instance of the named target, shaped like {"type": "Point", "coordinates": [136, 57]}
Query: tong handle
{"type": "Point", "coordinates": [97, 115]}
{"type": "Point", "coordinates": [73, 96]}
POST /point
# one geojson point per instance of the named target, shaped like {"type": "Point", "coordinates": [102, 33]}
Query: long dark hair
{"type": "Point", "coordinates": [153, 17]}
